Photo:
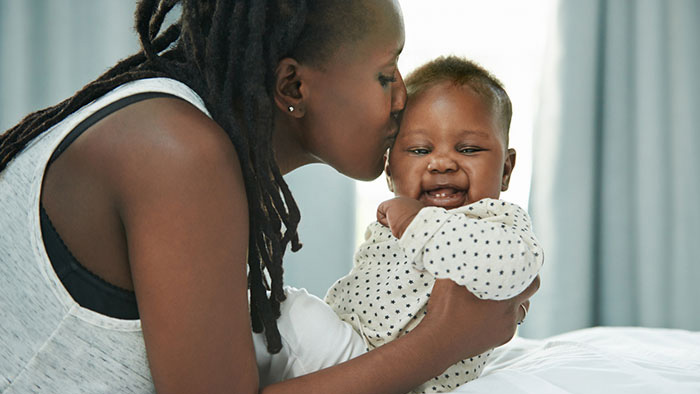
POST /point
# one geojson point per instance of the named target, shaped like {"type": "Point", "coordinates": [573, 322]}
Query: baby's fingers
{"type": "Point", "coordinates": [381, 214]}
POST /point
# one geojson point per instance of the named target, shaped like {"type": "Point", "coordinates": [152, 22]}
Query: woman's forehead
{"type": "Point", "coordinates": [382, 35]}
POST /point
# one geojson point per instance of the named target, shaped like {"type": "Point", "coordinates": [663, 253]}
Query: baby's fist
{"type": "Point", "coordinates": [398, 213]}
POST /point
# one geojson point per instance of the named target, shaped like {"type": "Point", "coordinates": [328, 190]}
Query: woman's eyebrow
{"type": "Point", "coordinates": [394, 56]}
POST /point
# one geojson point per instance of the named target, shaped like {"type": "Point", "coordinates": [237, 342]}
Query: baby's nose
{"type": "Point", "coordinates": [442, 163]}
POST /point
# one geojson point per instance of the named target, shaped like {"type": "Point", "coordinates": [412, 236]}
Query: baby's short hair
{"type": "Point", "coordinates": [463, 72]}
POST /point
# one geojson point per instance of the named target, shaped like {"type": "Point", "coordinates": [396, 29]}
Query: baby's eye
{"type": "Point", "coordinates": [419, 151]}
{"type": "Point", "coordinates": [385, 80]}
{"type": "Point", "coordinates": [469, 150]}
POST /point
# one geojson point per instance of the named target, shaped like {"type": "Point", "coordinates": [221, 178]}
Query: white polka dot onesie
{"type": "Point", "coordinates": [487, 247]}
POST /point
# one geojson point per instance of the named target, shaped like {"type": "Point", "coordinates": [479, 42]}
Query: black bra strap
{"type": "Point", "coordinates": [101, 114]}
{"type": "Point", "coordinates": [87, 289]}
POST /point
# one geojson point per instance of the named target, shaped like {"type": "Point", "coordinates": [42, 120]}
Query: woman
{"type": "Point", "coordinates": [149, 199]}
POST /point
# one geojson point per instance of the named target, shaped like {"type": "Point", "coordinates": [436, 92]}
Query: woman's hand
{"type": "Point", "coordinates": [464, 325]}
{"type": "Point", "coordinates": [397, 213]}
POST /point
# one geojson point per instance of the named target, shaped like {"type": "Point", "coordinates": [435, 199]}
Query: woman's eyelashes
{"type": "Point", "coordinates": [385, 80]}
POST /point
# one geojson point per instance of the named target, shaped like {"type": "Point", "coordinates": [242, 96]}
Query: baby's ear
{"type": "Point", "coordinates": [387, 172]}
{"type": "Point", "coordinates": [508, 166]}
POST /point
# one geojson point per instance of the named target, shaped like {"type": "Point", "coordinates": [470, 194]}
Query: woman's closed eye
{"type": "Point", "coordinates": [385, 80]}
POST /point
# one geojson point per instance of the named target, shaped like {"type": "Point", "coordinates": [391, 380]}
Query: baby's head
{"type": "Point", "coordinates": [452, 147]}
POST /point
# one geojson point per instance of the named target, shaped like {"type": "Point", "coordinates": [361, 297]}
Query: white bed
{"type": "Point", "coordinates": [595, 360]}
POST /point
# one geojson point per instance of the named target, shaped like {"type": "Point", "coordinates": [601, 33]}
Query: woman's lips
{"type": "Point", "coordinates": [445, 197]}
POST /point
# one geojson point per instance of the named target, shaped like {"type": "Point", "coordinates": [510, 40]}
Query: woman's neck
{"type": "Point", "coordinates": [287, 143]}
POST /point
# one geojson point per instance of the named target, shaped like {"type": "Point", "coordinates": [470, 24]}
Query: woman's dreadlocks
{"type": "Point", "coordinates": [227, 52]}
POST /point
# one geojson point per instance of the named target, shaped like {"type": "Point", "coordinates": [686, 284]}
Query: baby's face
{"type": "Point", "coordinates": [450, 151]}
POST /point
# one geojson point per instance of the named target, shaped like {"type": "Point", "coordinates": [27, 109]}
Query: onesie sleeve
{"type": "Point", "coordinates": [487, 246]}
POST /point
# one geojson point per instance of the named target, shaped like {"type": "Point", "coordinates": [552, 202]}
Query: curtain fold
{"type": "Point", "coordinates": [50, 49]}
{"type": "Point", "coordinates": [616, 191]}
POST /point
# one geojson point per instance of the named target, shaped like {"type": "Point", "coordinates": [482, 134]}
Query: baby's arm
{"type": "Point", "coordinates": [487, 246]}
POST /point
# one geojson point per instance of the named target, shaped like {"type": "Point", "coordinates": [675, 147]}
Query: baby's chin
{"type": "Point", "coordinates": [445, 198]}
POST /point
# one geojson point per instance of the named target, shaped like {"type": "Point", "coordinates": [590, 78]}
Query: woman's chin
{"type": "Point", "coordinates": [368, 173]}
{"type": "Point", "coordinates": [364, 175]}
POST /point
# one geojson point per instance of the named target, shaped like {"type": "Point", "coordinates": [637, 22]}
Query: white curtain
{"type": "Point", "coordinates": [327, 228]}
{"type": "Point", "coordinates": [616, 188]}
{"type": "Point", "coordinates": [50, 49]}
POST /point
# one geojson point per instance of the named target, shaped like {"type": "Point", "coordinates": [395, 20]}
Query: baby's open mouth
{"type": "Point", "coordinates": [446, 197]}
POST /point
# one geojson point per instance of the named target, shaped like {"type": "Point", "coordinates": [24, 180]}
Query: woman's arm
{"type": "Point", "coordinates": [185, 216]}
{"type": "Point", "coordinates": [458, 325]}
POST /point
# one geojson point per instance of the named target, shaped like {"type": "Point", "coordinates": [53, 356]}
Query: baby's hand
{"type": "Point", "coordinates": [398, 213]}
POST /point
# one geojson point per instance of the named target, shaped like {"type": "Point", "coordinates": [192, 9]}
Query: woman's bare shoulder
{"type": "Point", "coordinates": [182, 202]}
{"type": "Point", "coordinates": [157, 130]}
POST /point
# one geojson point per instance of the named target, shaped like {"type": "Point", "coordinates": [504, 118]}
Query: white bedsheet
{"type": "Point", "coordinates": [595, 360]}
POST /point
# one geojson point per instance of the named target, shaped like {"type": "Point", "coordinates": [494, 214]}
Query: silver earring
{"type": "Point", "coordinates": [290, 108]}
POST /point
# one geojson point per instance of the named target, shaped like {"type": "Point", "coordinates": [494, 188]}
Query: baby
{"type": "Point", "coordinates": [447, 168]}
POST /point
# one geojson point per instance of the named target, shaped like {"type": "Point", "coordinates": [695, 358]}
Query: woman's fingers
{"type": "Point", "coordinates": [522, 300]}
{"type": "Point", "coordinates": [529, 291]}
{"type": "Point", "coordinates": [470, 325]}
{"type": "Point", "coordinates": [522, 311]}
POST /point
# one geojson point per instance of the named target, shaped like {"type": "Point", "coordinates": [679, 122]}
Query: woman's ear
{"type": "Point", "coordinates": [288, 94]}
{"type": "Point", "coordinates": [507, 169]}
{"type": "Point", "coordinates": [387, 172]}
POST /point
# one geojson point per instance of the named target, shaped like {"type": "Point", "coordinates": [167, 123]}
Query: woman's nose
{"type": "Point", "coordinates": [398, 94]}
{"type": "Point", "coordinates": [441, 163]}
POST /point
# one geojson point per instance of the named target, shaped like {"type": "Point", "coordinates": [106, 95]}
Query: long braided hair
{"type": "Point", "coordinates": [227, 52]}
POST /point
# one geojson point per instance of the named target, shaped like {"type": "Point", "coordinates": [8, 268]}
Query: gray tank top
{"type": "Point", "coordinates": [49, 343]}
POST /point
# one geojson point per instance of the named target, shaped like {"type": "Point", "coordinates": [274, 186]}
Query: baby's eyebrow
{"type": "Point", "coordinates": [412, 131]}
{"type": "Point", "coordinates": [477, 133]}
{"type": "Point", "coordinates": [461, 133]}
